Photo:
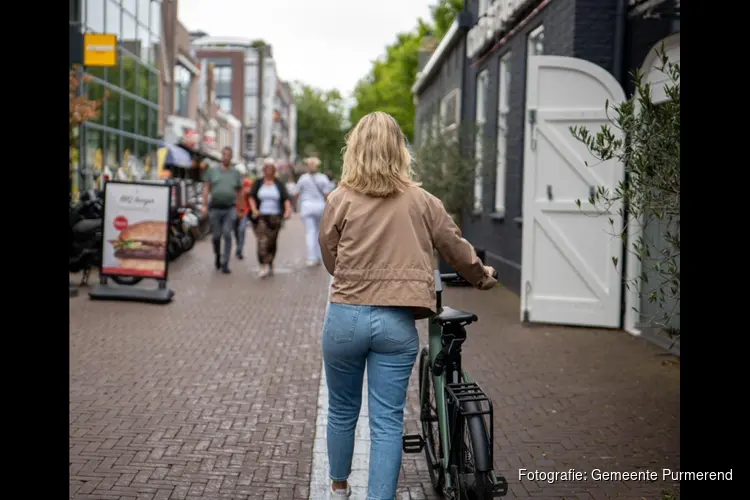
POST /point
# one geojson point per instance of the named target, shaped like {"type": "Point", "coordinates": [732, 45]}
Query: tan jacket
{"type": "Point", "coordinates": [380, 250]}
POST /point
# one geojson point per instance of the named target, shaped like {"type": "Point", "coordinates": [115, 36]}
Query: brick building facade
{"type": "Point", "coordinates": [614, 34]}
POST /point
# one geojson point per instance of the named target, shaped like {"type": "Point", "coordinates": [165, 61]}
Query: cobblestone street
{"type": "Point", "coordinates": [217, 395]}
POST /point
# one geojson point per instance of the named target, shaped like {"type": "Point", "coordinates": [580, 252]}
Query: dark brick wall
{"type": "Point", "coordinates": [573, 28]}
{"type": "Point", "coordinates": [447, 78]}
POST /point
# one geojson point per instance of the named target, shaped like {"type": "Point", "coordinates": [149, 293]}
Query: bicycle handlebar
{"type": "Point", "coordinates": [455, 277]}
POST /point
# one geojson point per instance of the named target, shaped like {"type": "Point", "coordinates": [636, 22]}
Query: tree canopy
{"type": "Point", "coordinates": [321, 122]}
{"type": "Point", "coordinates": [388, 85]}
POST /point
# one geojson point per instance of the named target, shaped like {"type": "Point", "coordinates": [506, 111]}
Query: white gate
{"type": "Point", "coordinates": [567, 274]}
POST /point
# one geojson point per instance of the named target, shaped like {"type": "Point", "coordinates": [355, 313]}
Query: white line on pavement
{"type": "Point", "coordinates": [319, 482]}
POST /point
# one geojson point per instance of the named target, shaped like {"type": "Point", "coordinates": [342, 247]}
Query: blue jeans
{"type": "Point", "coordinates": [222, 223]}
{"type": "Point", "coordinates": [384, 340]}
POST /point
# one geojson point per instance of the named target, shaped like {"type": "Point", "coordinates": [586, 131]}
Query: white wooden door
{"type": "Point", "coordinates": [567, 274]}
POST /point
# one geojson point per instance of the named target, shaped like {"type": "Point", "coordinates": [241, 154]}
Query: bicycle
{"type": "Point", "coordinates": [456, 438]}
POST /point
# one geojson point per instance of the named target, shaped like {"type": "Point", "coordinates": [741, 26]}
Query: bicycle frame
{"type": "Point", "coordinates": [435, 345]}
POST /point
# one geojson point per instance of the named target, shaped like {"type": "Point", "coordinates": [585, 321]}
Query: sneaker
{"type": "Point", "coordinates": [341, 493]}
{"type": "Point", "coordinates": [217, 262]}
{"type": "Point", "coordinates": [264, 271]}
{"type": "Point", "coordinates": [225, 270]}
{"type": "Point", "coordinates": [239, 256]}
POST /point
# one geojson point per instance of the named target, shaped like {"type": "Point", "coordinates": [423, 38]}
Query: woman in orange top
{"type": "Point", "coordinates": [243, 209]}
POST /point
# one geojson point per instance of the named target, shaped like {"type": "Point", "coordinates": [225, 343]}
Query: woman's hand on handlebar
{"type": "Point", "coordinates": [490, 281]}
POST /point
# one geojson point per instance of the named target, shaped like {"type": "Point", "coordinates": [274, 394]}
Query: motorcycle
{"type": "Point", "coordinates": [181, 236]}
{"type": "Point", "coordinates": [190, 227]}
{"type": "Point", "coordinates": [85, 235]}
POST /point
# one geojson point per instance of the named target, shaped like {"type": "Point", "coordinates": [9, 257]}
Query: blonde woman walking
{"type": "Point", "coordinates": [377, 236]}
{"type": "Point", "coordinates": [312, 190]}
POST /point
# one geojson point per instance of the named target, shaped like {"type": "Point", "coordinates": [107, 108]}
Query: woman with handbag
{"type": "Point", "coordinates": [312, 191]}
{"type": "Point", "coordinates": [269, 206]}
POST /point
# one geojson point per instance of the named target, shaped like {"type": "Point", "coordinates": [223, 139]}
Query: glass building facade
{"type": "Point", "coordinates": [126, 132]}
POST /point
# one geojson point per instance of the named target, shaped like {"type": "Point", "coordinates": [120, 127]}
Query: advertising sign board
{"type": "Point", "coordinates": [136, 222]}
{"type": "Point", "coordinates": [99, 50]}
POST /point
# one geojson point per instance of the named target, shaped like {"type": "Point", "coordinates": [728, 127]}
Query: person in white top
{"type": "Point", "coordinates": [291, 188]}
{"type": "Point", "coordinates": [312, 191]}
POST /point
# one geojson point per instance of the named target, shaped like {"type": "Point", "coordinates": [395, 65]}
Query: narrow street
{"type": "Point", "coordinates": [219, 394]}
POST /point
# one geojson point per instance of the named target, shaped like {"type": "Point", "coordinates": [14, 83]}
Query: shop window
{"type": "Point", "coordinates": [129, 5]}
{"type": "Point", "coordinates": [155, 23]}
{"type": "Point", "coordinates": [129, 35]}
{"type": "Point", "coordinates": [128, 114]}
{"type": "Point", "coordinates": [112, 109]}
{"type": "Point", "coordinates": [112, 17]}
{"type": "Point", "coordinates": [95, 91]}
{"type": "Point", "coordinates": [129, 73]}
{"type": "Point", "coordinates": [153, 124]}
{"type": "Point", "coordinates": [97, 72]}
{"type": "Point", "coordinates": [153, 87]}
{"type": "Point", "coordinates": [142, 85]}
{"type": "Point", "coordinates": [143, 46]}
{"type": "Point", "coordinates": [481, 119]}
{"type": "Point", "coordinates": [94, 15]}
{"type": "Point", "coordinates": [503, 109]}
{"type": "Point", "coordinates": [112, 152]}
{"type": "Point", "coordinates": [93, 156]}
{"type": "Point", "coordinates": [144, 12]}
{"type": "Point", "coordinates": [112, 73]}
{"type": "Point", "coordinates": [142, 119]}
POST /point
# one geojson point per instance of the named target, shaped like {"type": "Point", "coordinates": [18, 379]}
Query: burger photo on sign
{"type": "Point", "coordinates": [141, 246]}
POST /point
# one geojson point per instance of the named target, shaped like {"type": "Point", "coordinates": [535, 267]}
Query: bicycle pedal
{"type": "Point", "coordinates": [412, 443]}
{"type": "Point", "coordinates": [500, 488]}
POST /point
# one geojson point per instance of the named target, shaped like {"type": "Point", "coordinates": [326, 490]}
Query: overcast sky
{"type": "Point", "coordinates": [325, 43]}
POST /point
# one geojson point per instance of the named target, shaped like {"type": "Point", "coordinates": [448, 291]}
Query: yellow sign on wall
{"type": "Point", "coordinates": [99, 50]}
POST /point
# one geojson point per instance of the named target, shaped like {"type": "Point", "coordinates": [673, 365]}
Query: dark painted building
{"type": "Point", "coordinates": [614, 34]}
{"type": "Point", "coordinates": [437, 90]}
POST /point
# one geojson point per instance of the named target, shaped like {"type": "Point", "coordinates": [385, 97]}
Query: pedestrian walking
{"type": "Point", "coordinates": [241, 224]}
{"type": "Point", "coordinates": [223, 184]}
{"type": "Point", "coordinates": [291, 188]}
{"type": "Point", "coordinates": [313, 189]}
{"type": "Point", "coordinates": [269, 206]}
{"type": "Point", "coordinates": [377, 237]}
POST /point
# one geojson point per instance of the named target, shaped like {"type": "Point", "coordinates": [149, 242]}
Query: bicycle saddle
{"type": "Point", "coordinates": [450, 315]}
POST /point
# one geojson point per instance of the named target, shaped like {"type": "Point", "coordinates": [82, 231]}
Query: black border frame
{"type": "Point", "coordinates": [168, 188]}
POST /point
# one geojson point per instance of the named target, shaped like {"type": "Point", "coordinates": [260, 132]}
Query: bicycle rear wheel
{"type": "Point", "coordinates": [433, 447]}
{"type": "Point", "coordinates": [475, 454]}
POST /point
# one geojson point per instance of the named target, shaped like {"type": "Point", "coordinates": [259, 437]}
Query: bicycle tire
{"type": "Point", "coordinates": [476, 484]}
{"type": "Point", "coordinates": [430, 429]}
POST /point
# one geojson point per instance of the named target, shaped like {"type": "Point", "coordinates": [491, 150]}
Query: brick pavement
{"type": "Point", "coordinates": [212, 396]}
{"type": "Point", "coordinates": [215, 395]}
{"type": "Point", "coordinates": [564, 398]}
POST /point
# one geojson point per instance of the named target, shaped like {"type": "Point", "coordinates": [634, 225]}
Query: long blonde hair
{"type": "Point", "coordinates": [377, 161]}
